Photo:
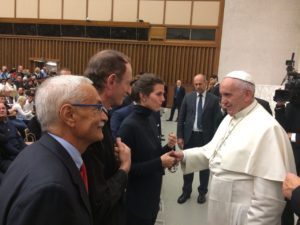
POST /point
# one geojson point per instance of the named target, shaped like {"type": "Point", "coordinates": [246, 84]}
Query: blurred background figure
{"type": "Point", "coordinates": [64, 71]}
{"type": "Point", "coordinates": [11, 142]}
{"type": "Point", "coordinates": [179, 93]}
{"type": "Point", "coordinates": [214, 85]}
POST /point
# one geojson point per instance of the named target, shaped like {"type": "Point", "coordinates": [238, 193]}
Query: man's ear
{"type": "Point", "coordinates": [143, 98]}
{"type": "Point", "coordinates": [248, 96]}
{"type": "Point", "coordinates": [111, 80]}
{"type": "Point", "coordinates": [67, 115]}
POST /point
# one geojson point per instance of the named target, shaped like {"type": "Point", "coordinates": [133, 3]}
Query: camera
{"type": "Point", "coordinates": [291, 92]}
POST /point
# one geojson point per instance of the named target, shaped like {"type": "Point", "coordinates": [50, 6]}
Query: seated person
{"type": "Point", "coordinates": [34, 127]}
{"type": "Point", "coordinates": [11, 142]}
{"type": "Point", "coordinates": [21, 115]}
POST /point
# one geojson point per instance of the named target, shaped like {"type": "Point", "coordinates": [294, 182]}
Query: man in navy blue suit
{"type": "Point", "coordinates": [47, 182]}
{"type": "Point", "coordinates": [179, 93]}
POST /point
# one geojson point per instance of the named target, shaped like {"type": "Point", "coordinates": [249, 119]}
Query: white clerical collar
{"type": "Point", "coordinates": [246, 110]}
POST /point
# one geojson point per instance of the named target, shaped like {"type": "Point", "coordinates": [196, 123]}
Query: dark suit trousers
{"type": "Point", "coordinates": [196, 140]}
{"type": "Point", "coordinates": [175, 106]}
{"type": "Point", "coordinates": [132, 219]}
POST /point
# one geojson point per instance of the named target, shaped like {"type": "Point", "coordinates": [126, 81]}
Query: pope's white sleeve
{"type": "Point", "coordinates": [194, 160]}
{"type": "Point", "coordinates": [267, 203]}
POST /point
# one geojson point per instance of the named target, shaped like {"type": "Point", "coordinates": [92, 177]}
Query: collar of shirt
{"type": "Point", "coordinates": [203, 94]}
{"type": "Point", "coordinates": [245, 111]}
{"type": "Point", "coordinates": [72, 151]}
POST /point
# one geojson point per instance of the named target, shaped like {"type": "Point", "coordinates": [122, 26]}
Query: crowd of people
{"type": "Point", "coordinates": [98, 159]}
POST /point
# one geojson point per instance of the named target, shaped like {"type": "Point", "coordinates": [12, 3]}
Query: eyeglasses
{"type": "Point", "coordinates": [98, 107]}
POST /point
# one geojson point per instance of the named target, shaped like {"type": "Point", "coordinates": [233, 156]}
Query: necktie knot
{"type": "Point", "coordinates": [84, 177]}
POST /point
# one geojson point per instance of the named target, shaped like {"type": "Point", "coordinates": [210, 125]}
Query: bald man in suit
{"type": "Point", "coordinates": [195, 130]}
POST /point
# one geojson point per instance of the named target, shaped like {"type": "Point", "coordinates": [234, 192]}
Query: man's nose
{"type": "Point", "coordinates": [104, 116]}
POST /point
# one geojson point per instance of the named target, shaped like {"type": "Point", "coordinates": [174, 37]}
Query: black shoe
{"type": "Point", "coordinates": [201, 199]}
{"type": "Point", "coordinates": [183, 197]}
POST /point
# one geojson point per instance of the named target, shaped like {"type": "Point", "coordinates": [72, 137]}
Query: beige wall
{"type": "Point", "coordinates": [206, 13]}
{"type": "Point", "coordinates": [125, 10]}
{"type": "Point", "coordinates": [178, 12]}
{"type": "Point", "coordinates": [50, 9]}
{"type": "Point", "coordinates": [100, 10]}
{"type": "Point", "coordinates": [74, 10]}
{"type": "Point", "coordinates": [258, 36]}
{"type": "Point", "coordinates": [152, 11]}
{"type": "Point", "coordinates": [158, 12]}
{"type": "Point", "coordinates": [7, 8]}
{"type": "Point", "coordinates": [27, 8]}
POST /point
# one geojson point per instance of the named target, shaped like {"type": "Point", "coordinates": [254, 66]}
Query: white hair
{"type": "Point", "coordinates": [53, 93]}
{"type": "Point", "coordinates": [244, 85]}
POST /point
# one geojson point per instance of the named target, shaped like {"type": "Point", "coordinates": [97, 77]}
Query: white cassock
{"type": "Point", "coordinates": [249, 157]}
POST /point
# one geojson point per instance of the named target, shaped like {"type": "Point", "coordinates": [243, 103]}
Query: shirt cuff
{"type": "Point", "coordinates": [293, 137]}
{"type": "Point", "coordinates": [184, 157]}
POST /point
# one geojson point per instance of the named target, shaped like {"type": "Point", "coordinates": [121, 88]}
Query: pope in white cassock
{"type": "Point", "coordinates": [249, 157]}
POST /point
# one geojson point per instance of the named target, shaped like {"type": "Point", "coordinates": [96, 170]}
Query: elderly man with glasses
{"type": "Point", "coordinates": [47, 183]}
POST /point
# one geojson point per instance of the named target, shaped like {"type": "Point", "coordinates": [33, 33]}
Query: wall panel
{"type": "Point", "coordinates": [206, 13]}
{"type": "Point", "coordinates": [152, 11]}
{"type": "Point", "coordinates": [46, 9]}
{"type": "Point", "coordinates": [125, 10]}
{"type": "Point", "coordinates": [99, 10]}
{"type": "Point", "coordinates": [74, 10]}
{"type": "Point", "coordinates": [169, 61]}
{"type": "Point", "coordinates": [178, 12]}
{"type": "Point", "coordinates": [7, 8]}
{"type": "Point", "coordinates": [27, 8]}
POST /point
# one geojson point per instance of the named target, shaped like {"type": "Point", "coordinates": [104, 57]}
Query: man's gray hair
{"type": "Point", "coordinates": [53, 93]}
{"type": "Point", "coordinates": [244, 85]}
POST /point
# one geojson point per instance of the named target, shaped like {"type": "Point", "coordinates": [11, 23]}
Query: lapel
{"type": "Point", "coordinates": [206, 102]}
{"type": "Point", "coordinates": [57, 149]}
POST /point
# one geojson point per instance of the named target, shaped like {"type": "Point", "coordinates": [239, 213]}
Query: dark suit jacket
{"type": "Point", "coordinates": [43, 186]}
{"type": "Point", "coordinates": [295, 201]}
{"type": "Point", "coordinates": [211, 116]}
{"type": "Point", "coordinates": [117, 118]}
{"type": "Point", "coordinates": [289, 119]}
{"type": "Point", "coordinates": [216, 90]}
{"type": "Point", "coordinates": [107, 182]}
{"type": "Point", "coordinates": [264, 104]}
{"type": "Point", "coordinates": [181, 93]}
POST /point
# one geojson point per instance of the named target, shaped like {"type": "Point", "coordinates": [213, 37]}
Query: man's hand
{"type": "Point", "coordinates": [180, 143]}
{"type": "Point", "coordinates": [172, 140]}
{"type": "Point", "coordinates": [167, 160]}
{"type": "Point", "coordinates": [123, 154]}
{"type": "Point", "coordinates": [178, 155]}
{"type": "Point", "coordinates": [290, 182]}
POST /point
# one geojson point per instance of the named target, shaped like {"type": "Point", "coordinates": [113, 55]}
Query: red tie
{"type": "Point", "coordinates": [84, 176]}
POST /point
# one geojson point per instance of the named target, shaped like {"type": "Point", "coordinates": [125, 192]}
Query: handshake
{"type": "Point", "coordinates": [171, 159]}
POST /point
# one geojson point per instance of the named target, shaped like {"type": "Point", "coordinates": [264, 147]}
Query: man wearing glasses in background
{"type": "Point", "coordinates": [111, 74]}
